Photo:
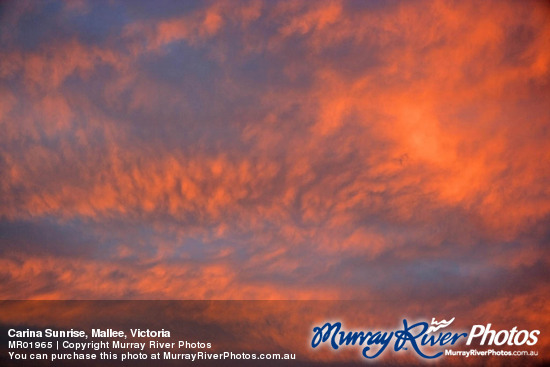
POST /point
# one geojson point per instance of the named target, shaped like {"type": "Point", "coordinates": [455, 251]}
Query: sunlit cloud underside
{"type": "Point", "coordinates": [276, 150]}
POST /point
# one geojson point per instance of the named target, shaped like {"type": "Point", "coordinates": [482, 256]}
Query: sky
{"type": "Point", "coordinates": [276, 150]}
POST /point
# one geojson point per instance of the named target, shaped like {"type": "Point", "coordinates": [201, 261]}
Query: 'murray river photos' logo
{"type": "Point", "coordinates": [420, 337]}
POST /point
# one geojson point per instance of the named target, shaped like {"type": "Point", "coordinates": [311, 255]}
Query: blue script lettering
{"type": "Point", "coordinates": [322, 336]}
{"type": "Point", "coordinates": [377, 338]}
{"type": "Point", "coordinates": [339, 338]}
{"type": "Point", "coordinates": [405, 335]}
{"type": "Point", "coordinates": [412, 335]}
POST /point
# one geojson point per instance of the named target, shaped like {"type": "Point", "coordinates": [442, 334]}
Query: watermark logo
{"type": "Point", "coordinates": [426, 340]}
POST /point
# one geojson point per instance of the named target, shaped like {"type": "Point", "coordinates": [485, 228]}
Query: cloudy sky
{"type": "Point", "coordinates": [276, 150]}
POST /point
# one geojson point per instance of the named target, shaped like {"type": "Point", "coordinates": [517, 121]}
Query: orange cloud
{"type": "Point", "coordinates": [288, 150]}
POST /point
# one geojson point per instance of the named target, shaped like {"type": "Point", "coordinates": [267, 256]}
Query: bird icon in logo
{"type": "Point", "coordinates": [439, 325]}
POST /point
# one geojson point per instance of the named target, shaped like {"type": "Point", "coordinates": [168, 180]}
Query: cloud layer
{"type": "Point", "coordinates": [276, 150]}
